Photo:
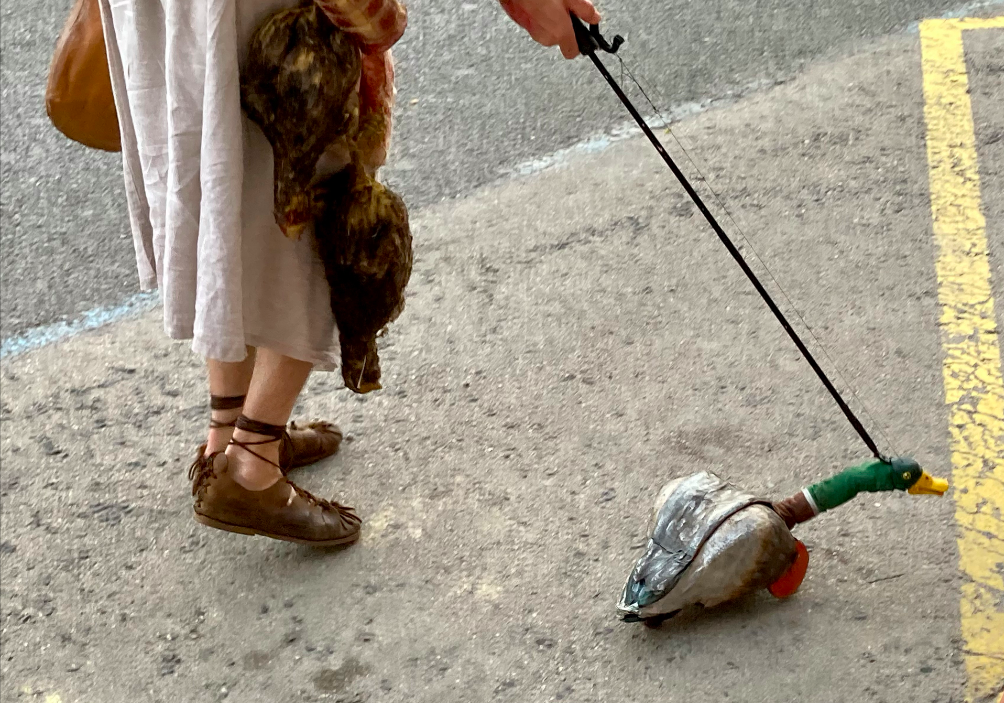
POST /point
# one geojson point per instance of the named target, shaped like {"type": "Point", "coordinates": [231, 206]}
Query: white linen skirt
{"type": "Point", "coordinates": [198, 178]}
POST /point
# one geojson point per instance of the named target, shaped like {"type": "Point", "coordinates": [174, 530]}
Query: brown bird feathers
{"type": "Point", "coordinates": [301, 86]}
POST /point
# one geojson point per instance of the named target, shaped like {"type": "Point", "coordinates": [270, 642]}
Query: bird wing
{"type": "Point", "coordinates": [689, 515]}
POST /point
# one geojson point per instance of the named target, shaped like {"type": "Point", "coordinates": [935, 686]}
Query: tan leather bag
{"type": "Point", "coordinates": [78, 96]}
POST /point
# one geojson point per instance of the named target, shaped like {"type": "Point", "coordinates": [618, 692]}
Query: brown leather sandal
{"type": "Point", "coordinates": [283, 511]}
{"type": "Point", "coordinates": [301, 445]}
{"type": "Point", "coordinates": [307, 444]}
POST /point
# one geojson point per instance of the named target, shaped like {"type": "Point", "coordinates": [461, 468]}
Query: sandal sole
{"type": "Point", "coordinates": [227, 527]}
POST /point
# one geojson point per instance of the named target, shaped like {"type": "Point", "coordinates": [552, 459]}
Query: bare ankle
{"type": "Point", "coordinates": [221, 429]}
{"type": "Point", "coordinates": [218, 439]}
{"type": "Point", "coordinates": [255, 470]}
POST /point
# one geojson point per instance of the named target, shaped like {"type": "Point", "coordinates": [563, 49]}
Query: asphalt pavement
{"type": "Point", "coordinates": [574, 338]}
{"type": "Point", "coordinates": [477, 99]}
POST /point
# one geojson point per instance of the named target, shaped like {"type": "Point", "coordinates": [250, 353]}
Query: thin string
{"type": "Point", "coordinates": [589, 41]}
{"type": "Point", "coordinates": [819, 344]}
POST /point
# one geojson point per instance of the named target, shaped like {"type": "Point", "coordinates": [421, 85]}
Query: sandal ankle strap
{"type": "Point", "coordinates": [243, 422]}
{"type": "Point", "coordinates": [224, 402]}
{"type": "Point", "coordinates": [275, 433]}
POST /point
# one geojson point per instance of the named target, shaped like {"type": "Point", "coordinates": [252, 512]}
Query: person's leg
{"type": "Point", "coordinates": [306, 443]}
{"type": "Point", "coordinates": [275, 384]}
{"type": "Point", "coordinates": [243, 490]}
{"type": "Point", "coordinates": [227, 380]}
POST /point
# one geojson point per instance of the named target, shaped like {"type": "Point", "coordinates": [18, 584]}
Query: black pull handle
{"type": "Point", "coordinates": [589, 40]}
{"type": "Point", "coordinates": [587, 45]}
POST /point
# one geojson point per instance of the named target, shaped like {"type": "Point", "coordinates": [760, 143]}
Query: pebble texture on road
{"type": "Point", "coordinates": [572, 340]}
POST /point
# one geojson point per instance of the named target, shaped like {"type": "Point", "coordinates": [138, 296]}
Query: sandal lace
{"type": "Point", "coordinates": [322, 502]}
{"type": "Point", "coordinates": [275, 433]}
{"type": "Point", "coordinates": [201, 470]}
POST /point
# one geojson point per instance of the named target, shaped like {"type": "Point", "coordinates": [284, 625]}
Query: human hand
{"type": "Point", "coordinates": [548, 22]}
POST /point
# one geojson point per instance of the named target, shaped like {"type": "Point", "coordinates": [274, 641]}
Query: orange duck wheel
{"type": "Point", "coordinates": [791, 579]}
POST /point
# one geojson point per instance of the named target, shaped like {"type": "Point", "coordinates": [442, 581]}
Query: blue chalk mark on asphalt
{"type": "Point", "coordinates": [92, 319]}
{"type": "Point", "coordinates": [627, 130]}
{"type": "Point", "coordinates": [142, 302]}
{"type": "Point", "coordinates": [964, 11]}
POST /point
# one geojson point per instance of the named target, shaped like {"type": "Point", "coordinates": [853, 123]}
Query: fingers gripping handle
{"type": "Point", "coordinates": [590, 40]}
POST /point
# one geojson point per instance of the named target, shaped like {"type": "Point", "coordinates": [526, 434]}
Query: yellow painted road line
{"type": "Point", "coordinates": [974, 389]}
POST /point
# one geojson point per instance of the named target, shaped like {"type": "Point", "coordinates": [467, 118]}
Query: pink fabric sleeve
{"type": "Point", "coordinates": [376, 104]}
{"type": "Point", "coordinates": [376, 24]}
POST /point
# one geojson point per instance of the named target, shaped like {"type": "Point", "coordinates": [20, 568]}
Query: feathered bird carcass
{"type": "Point", "coordinates": [302, 85]}
{"type": "Point", "coordinates": [711, 542]}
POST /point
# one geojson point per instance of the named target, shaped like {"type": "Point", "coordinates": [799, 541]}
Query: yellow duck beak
{"type": "Point", "coordinates": [928, 485]}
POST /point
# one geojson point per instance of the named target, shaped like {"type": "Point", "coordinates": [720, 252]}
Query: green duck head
{"type": "Point", "coordinates": [898, 474]}
{"type": "Point", "coordinates": [909, 477]}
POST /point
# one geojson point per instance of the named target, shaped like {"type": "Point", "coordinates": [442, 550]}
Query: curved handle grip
{"type": "Point", "coordinates": [589, 40]}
